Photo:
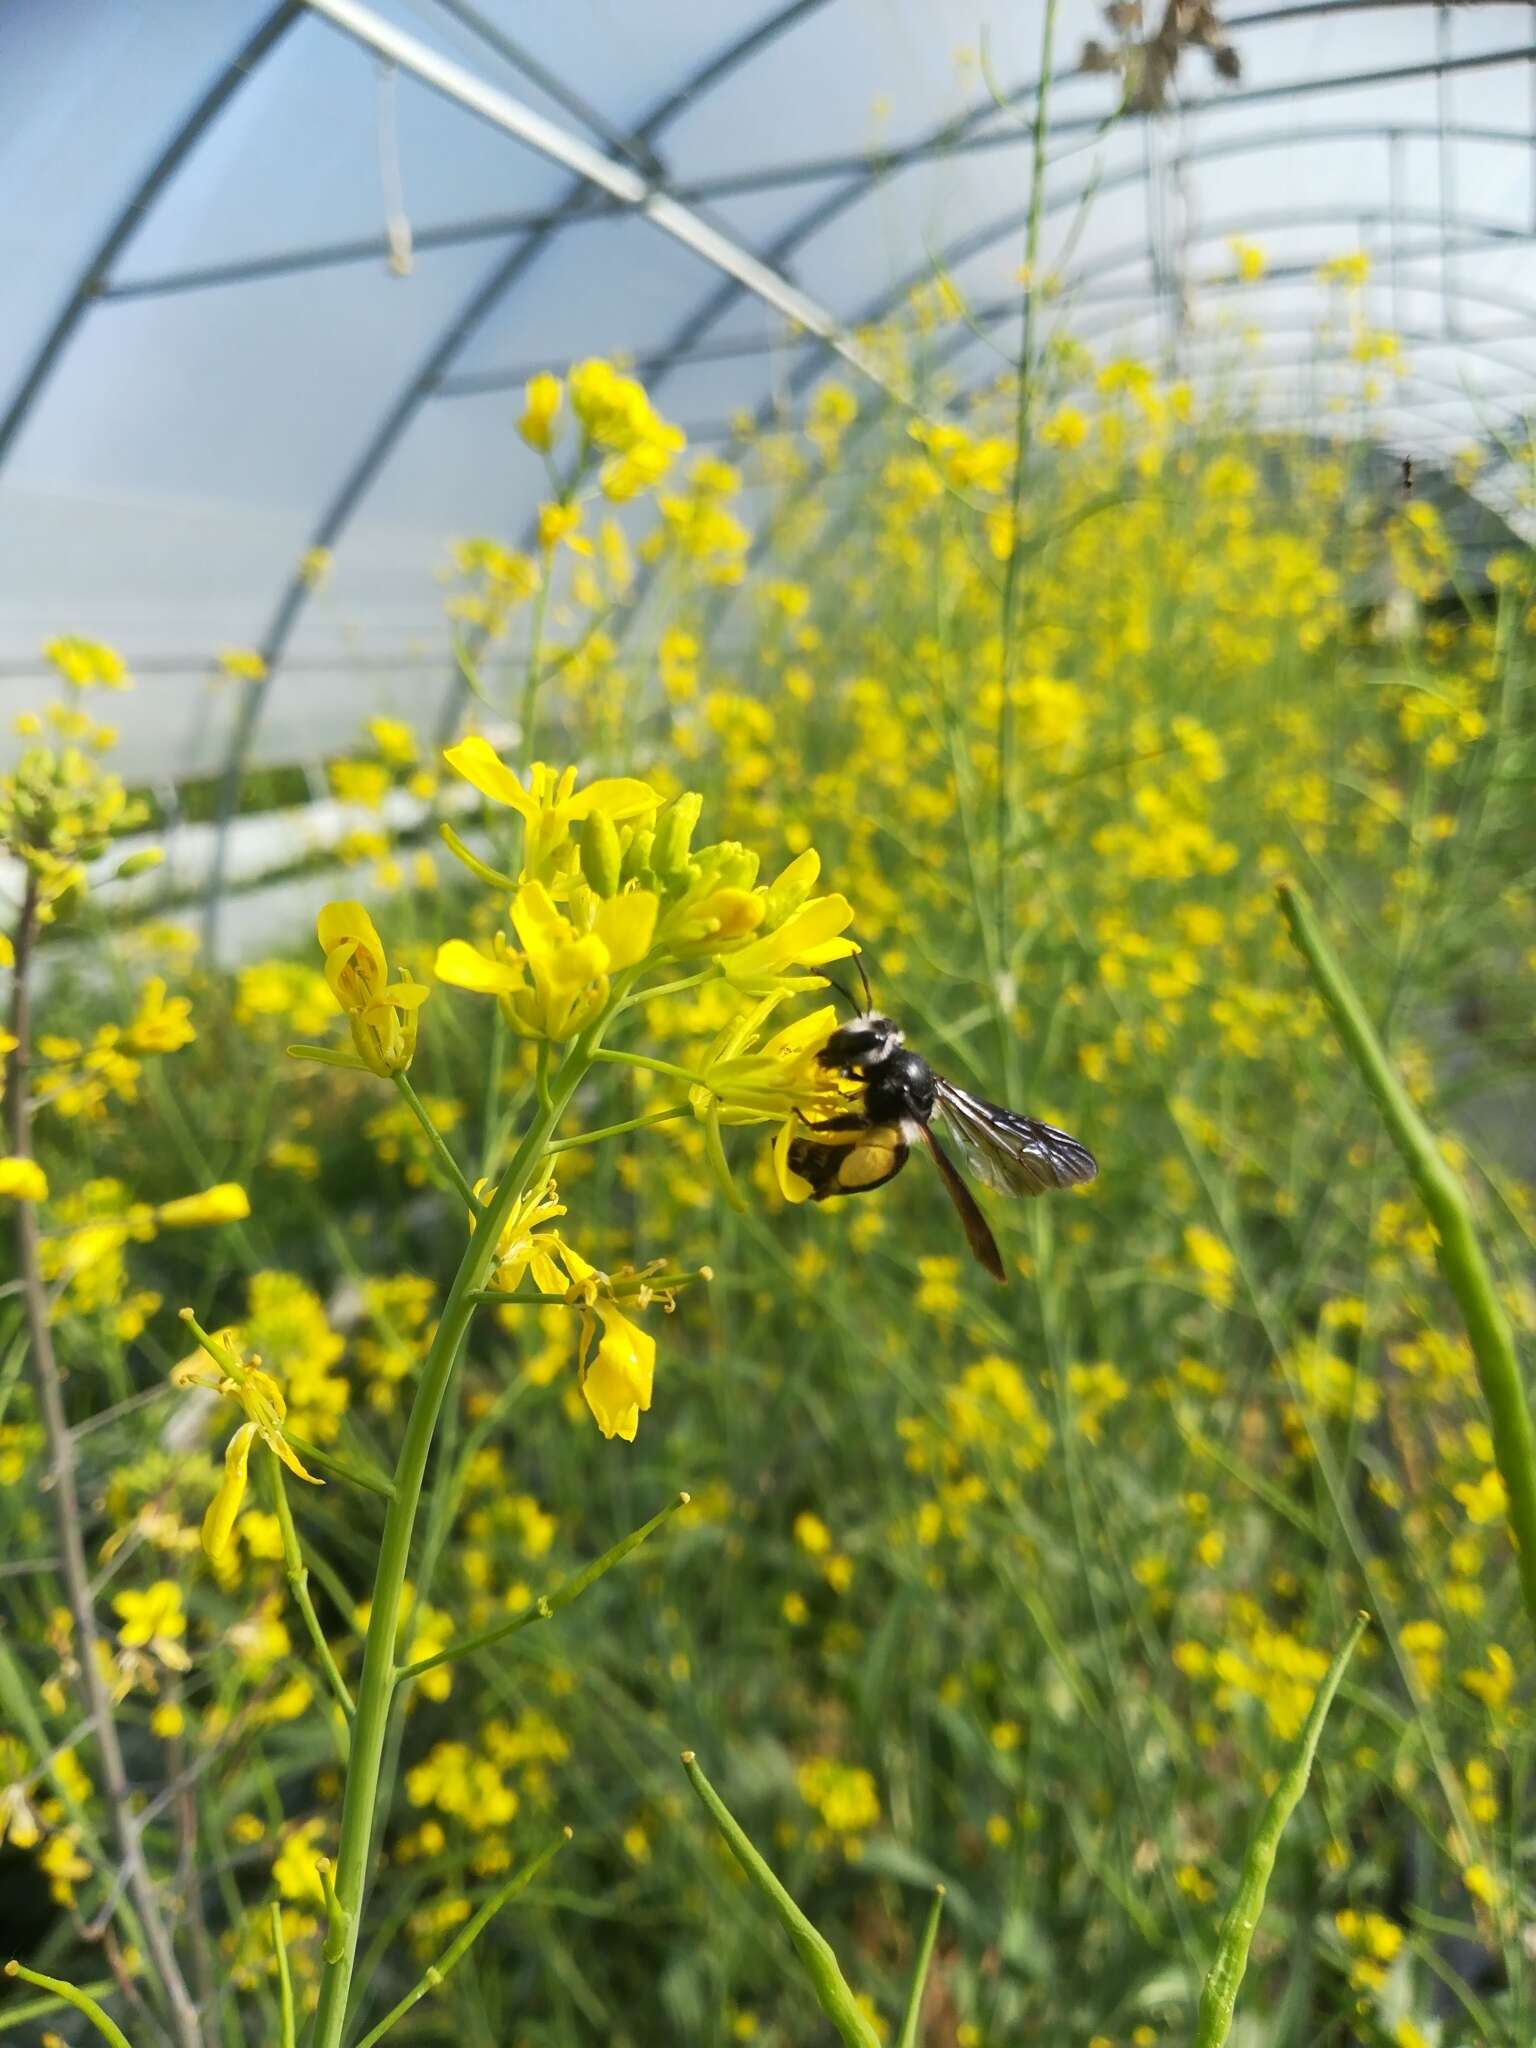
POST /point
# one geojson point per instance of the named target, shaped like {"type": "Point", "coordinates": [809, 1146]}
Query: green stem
{"type": "Point", "coordinates": [298, 1584]}
{"type": "Point", "coordinates": [675, 988]}
{"type": "Point", "coordinates": [82, 2001]}
{"type": "Point", "coordinates": [493, 877]}
{"type": "Point", "coordinates": [1457, 1249]}
{"type": "Point", "coordinates": [376, 1681]}
{"type": "Point", "coordinates": [907, 2038]}
{"type": "Point", "coordinates": [655, 1066]}
{"type": "Point", "coordinates": [1024, 401]}
{"type": "Point", "coordinates": [464, 1941]}
{"type": "Point", "coordinates": [1219, 1996]}
{"type": "Point", "coordinates": [445, 1159]}
{"type": "Point", "coordinates": [534, 677]}
{"type": "Point", "coordinates": [341, 1468]}
{"type": "Point", "coordinates": [284, 1979]}
{"type": "Point", "coordinates": [811, 1945]}
{"type": "Point", "coordinates": [548, 1604]}
{"type": "Point", "coordinates": [635, 1123]}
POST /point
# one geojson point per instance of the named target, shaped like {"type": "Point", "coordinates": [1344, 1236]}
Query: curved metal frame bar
{"type": "Point", "coordinates": [810, 223]}
{"type": "Point", "coordinates": [407, 403]}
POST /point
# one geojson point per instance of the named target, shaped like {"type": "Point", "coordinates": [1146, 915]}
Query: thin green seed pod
{"type": "Point", "coordinates": [82, 2001]}
{"type": "Point", "coordinates": [907, 2038]}
{"type": "Point", "coordinates": [284, 1977]}
{"type": "Point", "coordinates": [1460, 1255]}
{"type": "Point", "coordinates": [812, 1947]}
{"type": "Point", "coordinates": [465, 1940]}
{"type": "Point", "coordinates": [1218, 1999]}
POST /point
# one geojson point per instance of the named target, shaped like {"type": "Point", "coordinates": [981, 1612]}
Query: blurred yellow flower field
{"type": "Point", "coordinates": [621, 1448]}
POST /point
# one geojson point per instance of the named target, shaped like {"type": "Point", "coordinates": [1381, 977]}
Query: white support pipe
{"type": "Point", "coordinates": [620, 181]}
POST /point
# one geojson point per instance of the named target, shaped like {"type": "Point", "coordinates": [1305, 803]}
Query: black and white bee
{"type": "Point", "coordinates": [902, 1098]}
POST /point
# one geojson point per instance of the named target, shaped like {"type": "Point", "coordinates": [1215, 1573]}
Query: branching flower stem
{"type": "Point", "coordinates": [66, 1508]}
{"type": "Point", "coordinates": [297, 1575]}
{"type": "Point", "coordinates": [450, 1167]}
{"type": "Point", "coordinates": [548, 1604]}
{"type": "Point", "coordinates": [376, 1681]}
{"type": "Point", "coordinates": [635, 1123]}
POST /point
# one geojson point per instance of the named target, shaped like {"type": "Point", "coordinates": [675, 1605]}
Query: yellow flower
{"type": "Point", "coordinates": [742, 1082]}
{"type": "Point", "coordinates": [168, 1720]}
{"type": "Point", "coordinates": [161, 1025]}
{"type": "Point", "coordinates": [525, 1246]}
{"type": "Point", "coordinates": [1494, 1685]}
{"type": "Point", "coordinates": [84, 662]}
{"type": "Point", "coordinates": [617, 1381]}
{"type": "Point", "coordinates": [219, 1365]}
{"type": "Point", "coordinates": [551, 803]}
{"type": "Point", "coordinates": [810, 935]}
{"type": "Point", "coordinates": [382, 1013]}
{"type": "Point", "coordinates": [558, 983]}
{"type": "Point", "coordinates": [23, 1180]}
{"type": "Point", "coordinates": [1482, 1884]}
{"type": "Point", "coordinates": [559, 521]}
{"type": "Point", "coordinates": [154, 1620]}
{"type": "Point", "coordinates": [243, 663]}
{"type": "Point", "coordinates": [543, 396]}
{"type": "Point", "coordinates": [226, 1203]}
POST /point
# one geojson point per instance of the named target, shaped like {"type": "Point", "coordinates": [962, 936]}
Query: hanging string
{"type": "Point", "coordinates": [397, 226]}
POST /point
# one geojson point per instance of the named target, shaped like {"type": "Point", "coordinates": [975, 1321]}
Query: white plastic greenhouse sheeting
{"type": "Point", "coordinates": [192, 431]}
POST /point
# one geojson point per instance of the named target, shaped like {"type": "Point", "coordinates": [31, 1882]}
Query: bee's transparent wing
{"type": "Point", "coordinates": [1016, 1155]}
{"type": "Point", "coordinates": [978, 1232]}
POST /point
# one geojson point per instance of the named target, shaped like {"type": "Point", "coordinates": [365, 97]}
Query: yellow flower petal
{"type": "Point", "coordinates": [462, 965]}
{"type": "Point", "coordinates": [226, 1203]}
{"type": "Point", "coordinates": [791, 1186]}
{"type": "Point", "coordinates": [480, 765]}
{"type": "Point", "coordinates": [626, 925]}
{"type": "Point", "coordinates": [219, 1522]}
{"type": "Point", "coordinates": [617, 1384]}
{"type": "Point", "coordinates": [618, 796]}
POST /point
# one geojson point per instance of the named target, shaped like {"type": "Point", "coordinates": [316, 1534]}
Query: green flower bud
{"type": "Point", "coordinates": [602, 857]}
{"type": "Point", "coordinates": [637, 858]}
{"type": "Point", "coordinates": [674, 831]}
{"type": "Point", "coordinates": [729, 865]}
{"type": "Point", "coordinates": [140, 863]}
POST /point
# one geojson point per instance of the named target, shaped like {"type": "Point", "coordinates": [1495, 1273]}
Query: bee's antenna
{"type": "Point", "coordinates": [869, 1001]}
{"type": "Point", "coordinates": [848, 999]}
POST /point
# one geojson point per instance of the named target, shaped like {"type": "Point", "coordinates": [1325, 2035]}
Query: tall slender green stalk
{"type": "Point", "coordinates": [1218, 1999]}
{"type": "Point", "coordinates": [1023, 421]}
{"type": "Point", "coordinates": [378, 1677]}
{"type": "Point", "coordinates": [1460, 1254]}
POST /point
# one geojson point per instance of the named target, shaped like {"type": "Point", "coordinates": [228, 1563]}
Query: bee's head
{"type": "Point", "coordinates": [864, 1042]}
